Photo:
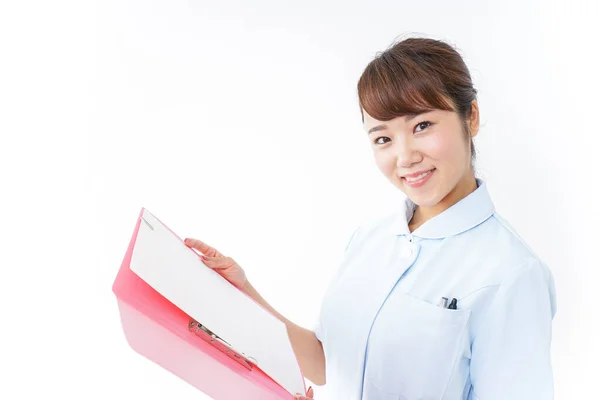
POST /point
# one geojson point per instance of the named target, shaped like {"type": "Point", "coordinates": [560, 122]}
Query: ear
{"type": "Point", "coordinates": [474, 121]}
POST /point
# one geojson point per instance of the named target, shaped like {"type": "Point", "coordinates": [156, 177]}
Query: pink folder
{"type": "Point", "coordinates": [157, 329]}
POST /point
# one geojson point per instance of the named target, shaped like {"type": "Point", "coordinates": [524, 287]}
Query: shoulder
{"type": "Point", "coordinates": [514, 239]}
{"type": "Point", "coordinates": [500, 247]}
{"type": "Point", "coordinates": [507, 263]}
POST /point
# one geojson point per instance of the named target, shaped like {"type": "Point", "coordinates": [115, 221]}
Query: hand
{"type": "Point", "coordinates": [225, 266]}
{"type": "Point", "coordinates": [309, 395]}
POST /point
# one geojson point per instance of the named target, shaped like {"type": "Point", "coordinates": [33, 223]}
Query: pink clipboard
{"type": "Point", "coordinates": [160, 331]}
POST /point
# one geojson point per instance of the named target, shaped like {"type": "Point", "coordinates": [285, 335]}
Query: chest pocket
{"type": "Point", "coordinates": [413, 348]}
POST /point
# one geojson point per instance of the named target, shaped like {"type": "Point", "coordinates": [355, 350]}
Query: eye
{"type": "Point", "coordinates": [426, 123]}
{"type": "Point", "coordinates": [380, 137]}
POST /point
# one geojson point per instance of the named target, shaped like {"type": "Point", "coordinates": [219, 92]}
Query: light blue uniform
{"type": "Point", "coordinates": [385, 337]}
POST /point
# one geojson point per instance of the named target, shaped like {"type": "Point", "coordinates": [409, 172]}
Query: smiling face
{"type": "Point", "coordinates": [427, 156]}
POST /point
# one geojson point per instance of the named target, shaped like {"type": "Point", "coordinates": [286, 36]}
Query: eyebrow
{"type": "Point", "coordinates": [408, 117]}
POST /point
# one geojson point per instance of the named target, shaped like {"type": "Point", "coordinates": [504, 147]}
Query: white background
{"type": "Point", "coordinates": [238, 124]}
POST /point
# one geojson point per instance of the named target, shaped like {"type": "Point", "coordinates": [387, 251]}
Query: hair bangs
{"type": "Point", "coordinates": [392, 87]}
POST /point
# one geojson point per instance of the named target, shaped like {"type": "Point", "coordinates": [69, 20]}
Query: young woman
{"type": "Point", "coordinates": [441, 299]}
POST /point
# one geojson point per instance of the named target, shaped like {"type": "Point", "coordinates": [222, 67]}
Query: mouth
{"type": "Point", "coordinates": [419, 180]}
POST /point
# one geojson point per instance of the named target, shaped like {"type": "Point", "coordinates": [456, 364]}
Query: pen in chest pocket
{"type": "Point", "coordinates": [452, 305]}
{"type": "Point", "coordinates": [444, 303]}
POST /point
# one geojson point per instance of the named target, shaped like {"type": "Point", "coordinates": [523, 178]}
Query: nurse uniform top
{"type": "Point", "coordinates": [385, 336]}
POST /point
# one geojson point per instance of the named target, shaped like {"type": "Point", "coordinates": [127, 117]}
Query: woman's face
{"type": "Point", "coordinates": [426, 156]}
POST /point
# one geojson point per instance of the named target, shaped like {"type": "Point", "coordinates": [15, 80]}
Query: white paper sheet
{"type": "Point", "coordinates": [163, 261]}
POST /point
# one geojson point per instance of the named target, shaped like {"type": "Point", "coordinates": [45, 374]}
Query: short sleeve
{"type": "Point", "coordinates": [317, 329]}
{"type": "Point", "coordinates": [317, 326]}
{"type": "Point", "coordinates": [511, 348]}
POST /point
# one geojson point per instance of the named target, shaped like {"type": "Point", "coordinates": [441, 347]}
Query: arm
{"type": "Point", "coordinates": [511, 350]}
{"type": "Point", "coordinates": [308, 349]}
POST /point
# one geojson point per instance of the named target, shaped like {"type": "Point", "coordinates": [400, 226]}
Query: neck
{"type": "Point", "coordinates": [466, 186]}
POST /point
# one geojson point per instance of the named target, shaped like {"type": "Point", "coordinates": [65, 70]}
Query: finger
{"type": "Point", "coordinates": [201, 246]}
{"type": "Point", "coordinates": [219, 262]}
{"type": "Point", "coordinates": [309, 395]}
{"type": "Point", "coordinates": [208, 261]}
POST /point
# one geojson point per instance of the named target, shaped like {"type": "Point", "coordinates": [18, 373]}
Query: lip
{"type": "Point", "coordinates": [416, 173]}
{"type": "Point", "coordinates": [420, 182]}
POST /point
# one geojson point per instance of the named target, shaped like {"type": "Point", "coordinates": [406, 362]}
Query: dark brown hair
{"type": "Point", "coordinates": [417, 75]}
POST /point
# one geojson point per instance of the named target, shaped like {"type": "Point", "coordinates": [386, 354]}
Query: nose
{"type": "Point", "coordinates": [406, 153]}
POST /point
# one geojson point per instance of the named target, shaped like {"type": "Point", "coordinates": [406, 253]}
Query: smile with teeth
{"type": "Point", "coordinates": [418, 177]}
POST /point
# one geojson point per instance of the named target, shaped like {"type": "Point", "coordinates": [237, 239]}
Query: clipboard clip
{"type": "Point", "coordinates": [147, 223]}
{"type": "Point", "coordinates": [208, 336]}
